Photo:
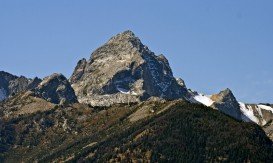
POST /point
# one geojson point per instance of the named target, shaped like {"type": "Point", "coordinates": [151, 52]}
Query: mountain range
{"type": "Point", "coordinates": [124, 104]}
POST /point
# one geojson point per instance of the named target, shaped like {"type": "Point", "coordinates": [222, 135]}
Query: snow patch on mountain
{"type": "Point", "coordinates": [266, 108]}
{"type": "Point", "coordinates": [203, 99]}
{"type": "Point", "coordinates": [125, 91]}
{"type": "Point", "coordinates": [3, 94]}
{"type": "Point", "coordinates": [122, 90]}
{"type": "Point", "coordinates": [248, 113]}
{"type": "Point", "coordinates": [259, 110]}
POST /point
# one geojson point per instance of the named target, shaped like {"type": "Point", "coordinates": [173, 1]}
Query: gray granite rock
{"type": "Point", "coordinates": [124, 70]}
{"type": "Point", "coordinates": [56, 89]}
{"type": "Point", "coordinates": [78, 71]}
{"type": "Point", "coordinates": [12, 84]}
{"type": "Point", "coordinates": [18, 85]}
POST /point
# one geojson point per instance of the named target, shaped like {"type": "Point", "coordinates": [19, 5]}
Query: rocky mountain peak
{"type": "Point", "coordinates": [124, 45]}
{"type": "Point", "coordinates": [78, 71]}
{"type": "Point", "coordinates": [55, 77]}
{"type": "Point", "coordinates": [34, 83]}
{"type": "Point", "coordinates": [223, 96]}
{"type": "Point", "coordinates": [12, 84]}
{"type": "Point", "coordinates": [56, 89]}
{"type": "Point", "coordinates": [19, 84]}
{"type": "Point", "coordinates": [226, 91]}
{"type": "Point", "coordinates": [226, 102]}
{"type": "Point", "coordinates": [126, 36]}
{"type": "Point", "coordinates": [7, 76]}
{"type": "Point", "coordinates": [124, 69]}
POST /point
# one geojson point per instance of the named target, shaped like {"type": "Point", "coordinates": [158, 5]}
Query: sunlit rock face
{"type": "Point", "coordinates": [124, 70]}
{"type": "Point", "coordinates": [227, 103]}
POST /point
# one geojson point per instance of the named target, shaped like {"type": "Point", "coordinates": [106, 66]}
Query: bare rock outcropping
{"type": "Point", "coordinates": [10, 84]}
{"type": "Point", "coordinates": [227, 103]}
{"type": "Point", "coordinates": [56, 89]}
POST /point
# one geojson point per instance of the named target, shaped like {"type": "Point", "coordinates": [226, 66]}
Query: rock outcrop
{"type": "Point", "coordinates": [11, 84]}
{"type": "Point", "coordinates": [227, 103]}
{"type": "Point", "coordinates": [56, 89]}
{"type": "Point", "coordinates": [124, 70]}
{"type": "Point", "coordinates": [79, 71]}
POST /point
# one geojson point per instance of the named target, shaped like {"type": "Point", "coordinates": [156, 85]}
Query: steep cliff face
{"type": "Point", "coordinates": [78, 72]}
{"type": "Point", "coordinates": [124, 70]}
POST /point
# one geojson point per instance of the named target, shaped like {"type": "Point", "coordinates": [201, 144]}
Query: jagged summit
{"type": "Point", "coordinates": [226, 91]}
{"type": "Point", "coordinates": [79, 71]}
{"type": "Point", "coordinates": [56, 89]}
{"type": "Point", "coordinates": [5, 77]}
{"type": "Point", "coordinates": [124, 36]}
{"type": "Point", "coordinates": [121, 45]}
{"type": "Point", "coordinates": [123, 70]}
{"type": "Point", "coordinates": [223, 95]}
{"type": "Point", "coordinates": [12, 84]}
{"type": "Point", "coordinates": [226, 102]}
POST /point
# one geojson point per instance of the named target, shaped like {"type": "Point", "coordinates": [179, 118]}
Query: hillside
{"type": "Point", "coordinates": [165, 131]}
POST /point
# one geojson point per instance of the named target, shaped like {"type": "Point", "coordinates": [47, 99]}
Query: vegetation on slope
{"type": "Point", "coordinates": [183, 132]}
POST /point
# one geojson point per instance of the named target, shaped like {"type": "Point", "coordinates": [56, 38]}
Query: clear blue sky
{"type": "Point", "coordinates": [211, 44]}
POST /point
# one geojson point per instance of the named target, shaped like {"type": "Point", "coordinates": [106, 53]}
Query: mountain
{"type": "Point", "coordinates": [224, 101]}
{"type": "Point", "coordinates": [54, 90]}
{"type": "Point", "coordinates": [124, 105]}
{"type": "Point", "coordinates": [11, 84]}
{"type": "Point", "coordinates": [227, 103]}
{"type": "Point", "coordinates": [124, 70]}
{"type": "Point", "coordinates": [261, 114]}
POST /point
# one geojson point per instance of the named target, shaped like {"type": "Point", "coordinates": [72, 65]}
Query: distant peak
{"type": "Point", "coordinates": [36, 78]}
{"type": "Point", "coordinates": [226, 91]}
{"type": "Point", "coordinates": [82, 60]}
{"type": "Point", "coordinates": [54, 75]}
{"type": "Point", "coordinates": [223, 95]}
{"type": "Point", "coordinates": [6, 73]}
{"type": "Point", "coordinates": [128, 32]}
{"type": "Point", "coordinates": [126, 35]}
{"type": "Point", "coordinates": [56, 89]}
